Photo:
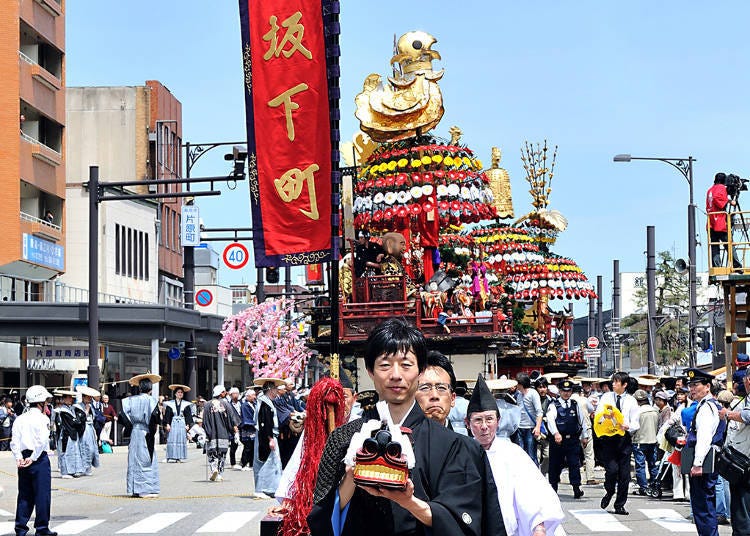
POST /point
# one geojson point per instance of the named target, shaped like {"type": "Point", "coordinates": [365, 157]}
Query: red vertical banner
{"type": "Point", "coordinates": [289, 118]}
{"type": "Point", "coordinates": [314, 274]}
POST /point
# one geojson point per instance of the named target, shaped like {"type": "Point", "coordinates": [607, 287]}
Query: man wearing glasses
{"type": "Point", "coordinates": [436, 389]}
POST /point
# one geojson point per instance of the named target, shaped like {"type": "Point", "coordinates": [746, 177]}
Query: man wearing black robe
{"type": "Point", "coordinates": [450, 491]}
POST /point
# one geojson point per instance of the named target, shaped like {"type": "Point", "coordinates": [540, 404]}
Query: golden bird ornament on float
{"type": "Point", "coordinates": [410, 103]}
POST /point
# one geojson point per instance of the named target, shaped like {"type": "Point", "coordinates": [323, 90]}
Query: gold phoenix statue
{"type": "Point", "coordinates": [410, 103]}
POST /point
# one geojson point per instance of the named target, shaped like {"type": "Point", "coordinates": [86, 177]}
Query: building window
{"type": "Point", "coordinates": [130, 252]}
{"type": "Point", "coordinates": [167, 226]}
{"type": "Point", "coordinates": [117, 248]}
{"type": "Point", "coordinates": [175, 230]}
{"type": "Point", "coordinates": [140, 254]}
{"type": "Point", "coordinates": [123, 251]}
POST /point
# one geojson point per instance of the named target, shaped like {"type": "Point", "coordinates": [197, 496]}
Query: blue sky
{"type": "Point", "coordinates": [665, 79]}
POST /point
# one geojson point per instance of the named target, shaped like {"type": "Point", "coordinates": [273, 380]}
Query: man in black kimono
{"type": "Point", "coordinates": [449, 491]}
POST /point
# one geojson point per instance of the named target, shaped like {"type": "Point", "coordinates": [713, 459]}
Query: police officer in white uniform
{"type": "Point", "coordinates": [706, 430]}
{"type": "Point", "coordinates": [29, 446]}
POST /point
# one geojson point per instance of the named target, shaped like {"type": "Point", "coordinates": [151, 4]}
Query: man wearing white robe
{"type": "Point", "coordinates": [529, 505]}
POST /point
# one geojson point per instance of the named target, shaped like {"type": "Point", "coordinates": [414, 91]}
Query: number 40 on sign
{"type": "Point", "coordinates": [235, 256]}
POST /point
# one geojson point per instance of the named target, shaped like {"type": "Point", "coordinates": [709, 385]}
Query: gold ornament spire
{"type": "Point", "coordinates": [540, 169]}
{"type": "Point", "coordinates": [500, 186]}
{"type": "Point", "coordinates": [539, 176]}
{"type": "Point", "coordinates": [456, 133]}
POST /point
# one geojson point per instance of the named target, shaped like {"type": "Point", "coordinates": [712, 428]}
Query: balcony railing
{"type": "Point", "coordinates": [25, 58]}
{"type": "Point", "coordinates": [731, 256]}
{"type": "Point", "coordinates": [53, 7]}
{"type": "Point", "coordinates": [41, 151]}
{"type": "Point", "coordinates": [34, 219]}
{"type": "Point", "coordinates": [58, 292]}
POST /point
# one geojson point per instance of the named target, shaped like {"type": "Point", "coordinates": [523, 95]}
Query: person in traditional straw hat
{"type": "Point", "coordinates": [178, 418]}
{"type": "Point", "coordinates": [88, 444]}
{"type": "Point", "coordinates": [70, 428]}
{"type": "Point", "coordinates": [510, 411]}
{"type": "Point", "coordinates": [140, 414]}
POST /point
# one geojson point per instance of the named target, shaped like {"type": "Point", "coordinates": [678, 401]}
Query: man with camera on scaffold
{"type": "Point", "coordinates": [717, 201]}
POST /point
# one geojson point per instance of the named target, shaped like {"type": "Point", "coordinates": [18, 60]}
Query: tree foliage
{"type": "Point", "coordinates": [672, 313]}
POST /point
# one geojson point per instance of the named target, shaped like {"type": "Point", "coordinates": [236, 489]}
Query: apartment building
{"type": "Point", "coordinates": [32, 146]}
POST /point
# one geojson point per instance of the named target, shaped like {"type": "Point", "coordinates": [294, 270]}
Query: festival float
{"type": "Point", "coordinates": [437, 243]}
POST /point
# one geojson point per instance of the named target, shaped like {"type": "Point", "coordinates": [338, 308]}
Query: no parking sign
{"type": "Point", "coordinates": [204, 297]}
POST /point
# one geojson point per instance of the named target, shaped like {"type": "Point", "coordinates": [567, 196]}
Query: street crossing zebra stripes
{"type": "Point", "coordinates": [669, 519]}
{"type": "Point", "coordinates": [578, 521]}
{"type": "Point", "coordinates": [228, 522]}
{"type": "Point", "coordinates": [77, 526]}
{"type": "Point", "coordinates": [599, 521]}
{"type": "Point", "coordinates": [154, 523]}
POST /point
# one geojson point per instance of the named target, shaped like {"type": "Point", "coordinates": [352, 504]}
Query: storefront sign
{"type": "Point", "coordinates": [43, 252]}
{"type": "Point", "coordinates": [57, 352]}
{"type": "Point", "coordinates": [291, 98]}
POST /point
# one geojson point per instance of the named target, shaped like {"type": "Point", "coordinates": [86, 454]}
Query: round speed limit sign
{"type": "Point", "coordinates": [235, 256]}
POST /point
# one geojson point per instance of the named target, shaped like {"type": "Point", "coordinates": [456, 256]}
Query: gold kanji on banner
{"type": "Point", "coordinates": [286, 99]}
{"type": "Point", "coordinates": [289, 188]}
{"type": "Point", "coordinates": [293, 36]}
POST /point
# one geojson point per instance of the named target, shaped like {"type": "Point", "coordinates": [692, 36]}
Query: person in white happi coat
{"type": "Point", "coordinates": [529, 505]}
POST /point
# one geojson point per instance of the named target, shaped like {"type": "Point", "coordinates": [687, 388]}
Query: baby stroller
{"type": "Point", "coordinates": [676, 436]}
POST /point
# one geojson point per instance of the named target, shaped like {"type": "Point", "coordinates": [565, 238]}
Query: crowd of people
{"type": "Point", "coordinates": [650, 435]}
{"type": "Point", "coordinates": [423, 451]}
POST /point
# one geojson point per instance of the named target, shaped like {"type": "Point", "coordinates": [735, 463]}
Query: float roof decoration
{"type": "Point", "coordinates": [500, 185]}
{"type": "Point", "coordinates": [410, 103]}
{"type": "Point", "coordinates": [540, 170]}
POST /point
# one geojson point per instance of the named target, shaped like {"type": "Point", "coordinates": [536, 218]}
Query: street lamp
{"type": "Point", "coordinates": [684, 166]}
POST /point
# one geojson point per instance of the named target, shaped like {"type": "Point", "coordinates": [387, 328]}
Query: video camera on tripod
{"type": "Point", "coordinates": [735, 184]}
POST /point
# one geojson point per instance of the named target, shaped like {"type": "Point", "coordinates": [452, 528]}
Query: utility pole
{"type": "Point", "coordinates": [651, 296]}
{"type": "Point", "coordinates": [599, 321]}
{"type": "Point", "coordinates": [94, 381]}
{"type": "Point", "coordinates": [192, 153]}
{"type": "Point", "coordinates": [616, 303]}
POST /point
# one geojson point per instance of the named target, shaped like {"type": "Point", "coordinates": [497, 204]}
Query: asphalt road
{"type": "Point", "coordinates": [190, 504]}
{"type": "Point", "coordinates": [647, 517]}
